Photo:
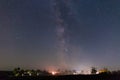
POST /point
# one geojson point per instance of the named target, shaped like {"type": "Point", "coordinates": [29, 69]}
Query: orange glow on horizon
{"type": "Point", "coordinates": [53, 73]}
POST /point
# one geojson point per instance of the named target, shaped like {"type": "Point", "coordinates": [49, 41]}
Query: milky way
{"type": "Point", "coordinates": [61, 31]}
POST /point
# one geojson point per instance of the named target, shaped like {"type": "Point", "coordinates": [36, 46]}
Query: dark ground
{"type": "Point", "coordinates": [8, 76]}
{"type": "Point", "coordinates": [72, 77]}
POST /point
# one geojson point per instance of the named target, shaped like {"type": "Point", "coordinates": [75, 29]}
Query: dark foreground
{"type": "Point", "coordinates": [70, 77]}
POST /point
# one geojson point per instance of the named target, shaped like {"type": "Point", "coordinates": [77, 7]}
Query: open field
{"type": "Point", "coordinates": [8, 76]}
{"type": "Point", "coordinates": [69, 77]}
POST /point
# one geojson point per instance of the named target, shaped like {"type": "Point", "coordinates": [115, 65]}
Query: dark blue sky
{"type": "Point", "coordinates": [28, 33]}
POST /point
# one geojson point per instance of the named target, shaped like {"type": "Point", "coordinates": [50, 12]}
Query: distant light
{"type": "Point", "coordinates": [75, 73]}
{"type": "Point", "coordinates": [54, 73]}
{"type": "Point", "coordinates": [97, 72]}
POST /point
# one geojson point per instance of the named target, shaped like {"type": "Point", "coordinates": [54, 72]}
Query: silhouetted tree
{"type": "Point", "coordinates": [93, 70]}
{"type": "Point", "coordinates": [16, 72]}
{"type": "Point", "coordinates": [45, 72]}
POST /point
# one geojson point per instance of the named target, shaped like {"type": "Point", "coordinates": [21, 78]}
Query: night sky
{"type": "Point", "coordinates": [28, 33]}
